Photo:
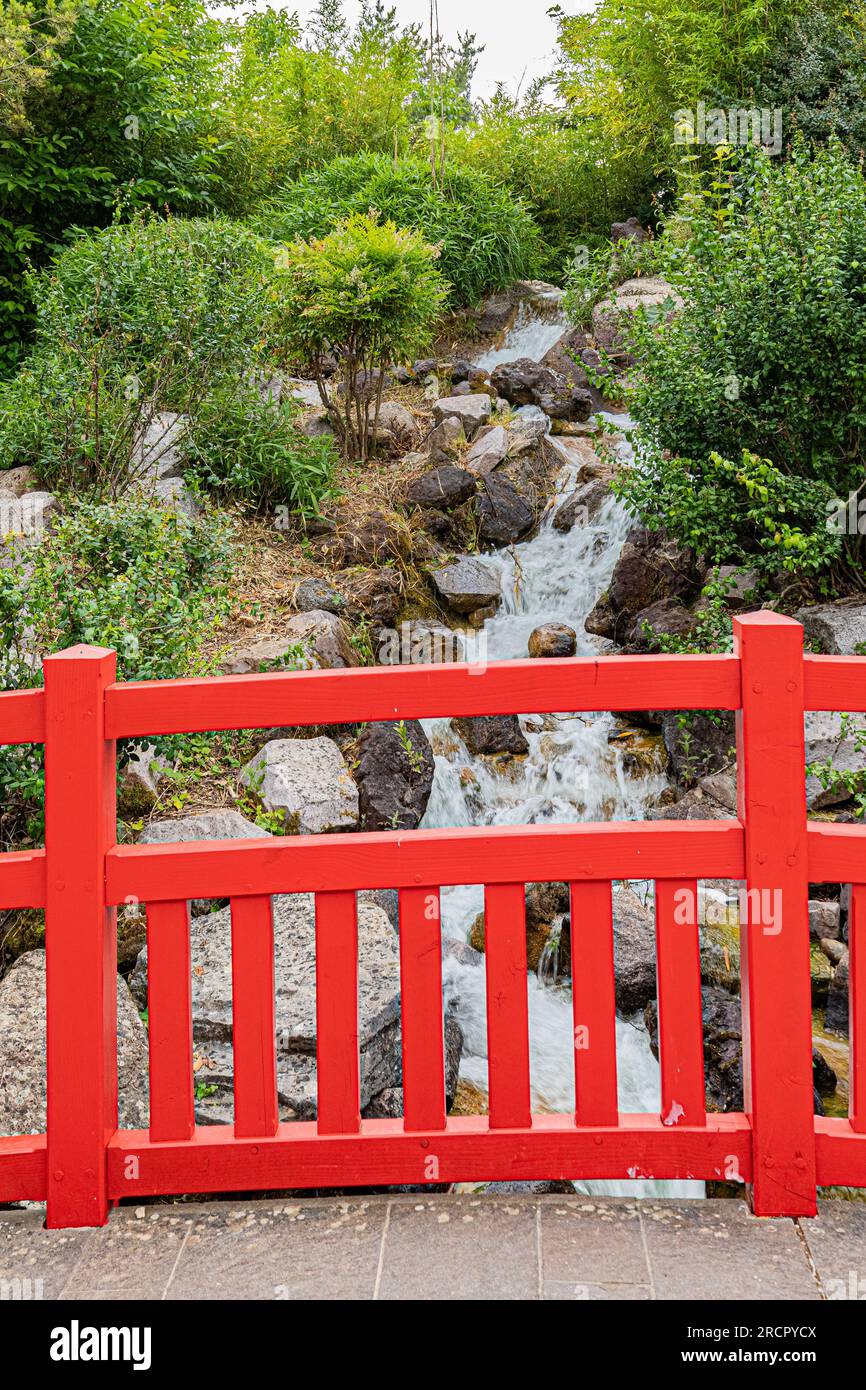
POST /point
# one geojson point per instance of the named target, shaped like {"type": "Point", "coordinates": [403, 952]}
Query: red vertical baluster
{"type": "Point", "coordinates": [338, 1063]}
{"type": "Point", "coordinates": [169, 1021]}
{"type": "Point", "coordinates": [254, 1024]}
{"type": "Point", "coordinates": [594, 1003]}
{"type": "Point", "coordinates": [421, 1008]}
{"type": "Point", "coordinates": [507, 1010]}
{"type": "Point", "coordinates": [681, 1040]}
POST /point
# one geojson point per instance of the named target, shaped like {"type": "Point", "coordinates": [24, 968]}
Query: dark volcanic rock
{"type": "Point", "coordinates": [492, 733]}
{"type": "Point", "coordinates": [698, 743]}
{"type": "Point", "coordinates": [394, 775]}
{"type": "Point", "coordinates": [723, 1051]}
{"type": "Point", "coordinates": [651, 567]}
{"type": "Point", "coordinates": [524, 382]}
{"type": "Point", "coordinates": [582, 506]}
{"type": "Point", "coordinates": [504, 516]}
{"type": "Point", "coordinates": [441, 487]}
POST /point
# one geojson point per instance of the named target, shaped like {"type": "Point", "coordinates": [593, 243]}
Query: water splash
{"type": "Point", "coordinates": [571, 773]}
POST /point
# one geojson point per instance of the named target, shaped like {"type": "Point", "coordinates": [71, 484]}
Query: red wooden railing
{"type": "Point", "coordinates": [84, 1163]}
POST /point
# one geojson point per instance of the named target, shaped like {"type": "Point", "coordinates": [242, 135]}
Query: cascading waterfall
{"type": "Point", "coordinates": [571, 773]}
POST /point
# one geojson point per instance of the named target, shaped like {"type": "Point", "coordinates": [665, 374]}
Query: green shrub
{"type": "Point", "coordinates": [241, 446]}
{"type": "Point", "coordinates": [487, 238]}
{"type": "Point", "coordinates": [752, 400]}
{"type": "Point", "coordinates": [183, 298]}
{"type": "Point", "coordinates": [141, 578]}
{"type": "Point", "coordinates": [147, 315]}
{"type": "Point", "coordinates": [559, 168]}
{"type": "Point", "coordinates": [369, 293]}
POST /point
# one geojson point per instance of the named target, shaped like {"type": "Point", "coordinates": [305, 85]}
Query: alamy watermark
{"type": "Point", "coordinates": [425, 644]}
{"type": "Point", "coordinates": [738, 125]}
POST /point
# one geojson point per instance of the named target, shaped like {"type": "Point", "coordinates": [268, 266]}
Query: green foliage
{"type": "Point", "coordinates": [243, 447]}
{"type": "Point", "coordinates": [369, 293]}
{"type": "Point", "coordinates": [135, 576]}
{"type": "Point", "coordinates": [154, 312]}
{"type": "Point", "coordinates": [845, 783]}
{"type": "Point", "coordinates": [557, 165]}
{"type": "Point", "coordinates": [629, 65]}
{"type": "Point", "coordinates": [486, 237]}
{"type": "Point", "coordinates": [124, 111]}
{"type": "Point", "coordinates": [752, 400]}
{"type": "Point", "coordinates": [597, 274]}
{"type": "Point", "coordinates": [815, 74]}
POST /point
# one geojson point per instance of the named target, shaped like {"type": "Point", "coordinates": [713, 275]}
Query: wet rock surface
{"type": "Point", "coordinates": [394, 775]}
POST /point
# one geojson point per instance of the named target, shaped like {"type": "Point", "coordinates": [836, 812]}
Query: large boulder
{"type": "Point", "coordinates": [467, 585]}
{"type": "Point", "coordinates": [394, 775]}
{"type": "Point", "coordinates": [582, 506]}
{"type": "Point", "coordinates": [492, 733]}
{"type": "Point", "coordinates": [838, 629]}
{"type": "Point", "coordinates": [648, 293]}
{"type": "Point", "coordinates": [157, 452]}
{"type": "Point", "coordinates": [699, 744]}
{"type": "Point", "coordinates": [553, 640]}
{"type": "Point", "coordinates": [634, 952]}
{"type": "Point", "coordinates": [471, 411]}
{"type": "Point", "coordinates": [445, 441]}
{"type": "Point", "coordinates": [295, 986]}
{"type": "Point", "coordinates": [651, 566]}
{"type": "Point", "coordinates": [313, 593]}
{"type": "Point", "coordinates": [313, 639]}
{"type": "Point", "coordinates": [22, 1051]}
{"type": "Point", "coordinates": [629, 230]}
{"type": "Point", "coordinates": [307, 780]}
{"type": "Point", "coordinates": [27, 516]}
{"type": "Point", "coordinates": [442, 487]}
{"type": "Point", "coordinates": [667, 617]}
{"type": "Point", "coordinates": [834, 748]}
{"type": "Point", "coordinates": [524, 382]}
{"type": "Point", "coordinates": [487, 451]}
{"type": "Point", "coordinates": [503, 515]}
{"type": "Point", "coordinates": [399, 423]}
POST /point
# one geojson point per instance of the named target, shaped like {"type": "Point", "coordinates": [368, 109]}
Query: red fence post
{"type": "Point", "coordinates": [80, 935]}
{"type": "Point", "coordinates": [777, 1006]}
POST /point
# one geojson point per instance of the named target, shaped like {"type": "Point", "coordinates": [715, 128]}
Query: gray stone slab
{"type": "Point", "coordinates": [836, 1238]}
{"type": "Point", "coordinates": [461, 1248]}
{"type": "Point", "coordinates": [133, 1256]}
{"type": "Point", "coordinates": [281, 1250]}
{"type": "Point", "coordinates": [716, 1250]}
{"type": "Point", "coordinates": [586, 1241]}
{"type": "Point", "coordinates": [35, 1263]}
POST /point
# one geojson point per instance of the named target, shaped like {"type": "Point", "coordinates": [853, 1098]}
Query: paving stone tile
{"type": "Point", "coordinates": [836, 1238]}
{"type": "Point", "coordinates": [716, 1250]}
{"type": "Point", "coordinates": [133, 1256]}
{"type": "Point", "coordinates": [461, 1248]}
{"type": "Point", "coordinates": [591, 1241]}
{"type": "Point", "coordinates": [282, 1250]}
{"type": "Point", "coordinates": [29, 1252]}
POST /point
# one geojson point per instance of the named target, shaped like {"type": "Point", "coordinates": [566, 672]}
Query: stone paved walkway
{"type": "Point", "coordinates": [441, 1247]}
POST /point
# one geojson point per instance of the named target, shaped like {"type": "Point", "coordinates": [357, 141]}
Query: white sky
{"type": "Point", "coordinates": [519, 38]}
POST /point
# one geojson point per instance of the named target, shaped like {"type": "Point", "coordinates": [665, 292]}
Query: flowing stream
{"type": "Point", "coordinates": [571, 773]}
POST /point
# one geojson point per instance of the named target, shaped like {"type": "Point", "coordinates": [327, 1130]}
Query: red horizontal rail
{"type": "Point", "coordinates": [467, 1149]}
{"type": "Point", "coordinates": [296, 698]}
{"type": "Point", "coordinates": [835, 683]}
{"type": "Point", "coordinates": [22, 716]}
{"type": "Point", "coordinates": [498, 854]}
{"type": "Point", "coordinates": [22, 879]}
{"type": "Point", "coordinates": [23, 1168]}
{"type": "Point", "coordinates": [836, 853]}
